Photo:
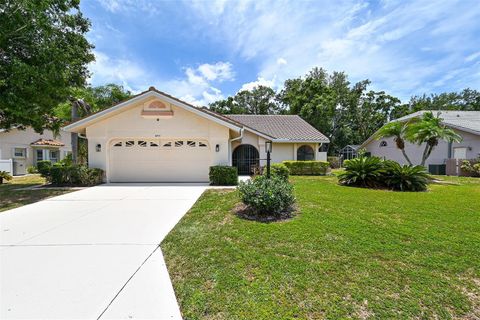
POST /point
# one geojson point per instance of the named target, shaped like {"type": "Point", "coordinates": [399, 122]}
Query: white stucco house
{"type": "Point", "coordinates": [20, 149]}
{"type": "Point", "coordinates": [154, 137]}
{"type": "Point", "coordinates": [464, 123]}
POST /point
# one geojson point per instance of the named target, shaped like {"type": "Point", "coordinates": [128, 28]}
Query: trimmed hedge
{"type": "Point", "coordinates": [75, 175]}
{"type": "Point", "coordinates": [307, 168]}
{"type": "Point", "coordinates": [223, 176]}
{"type": "Point", "coordinates": [277, 170]}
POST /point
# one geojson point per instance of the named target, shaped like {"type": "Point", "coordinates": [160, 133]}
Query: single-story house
{"type": "Point", "coordinates": [154, 137]}
{"type": "Point", "coordinates": [464, 123]}
{"type": "Point", "coordinates": [20, 149]}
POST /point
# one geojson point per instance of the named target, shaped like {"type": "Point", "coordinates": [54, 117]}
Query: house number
{"type": "Point", "coordinates": [157, 135]}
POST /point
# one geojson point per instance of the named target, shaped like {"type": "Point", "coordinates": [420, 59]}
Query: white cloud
{"type": "Point", "coordinates": [219, 71]}
{"type": "Point", "coordinates": [106, 70]}
{"type": "Point", "coordinates": [196, 86]}
{"type": "Point", "coordinates": [111, 5]}
{"type": "Point", "coordinates": [382, 41]}
{"type": "Point", "coordinates": [404, 46]}
{"type": "Point", "coordinates": [259, 82]}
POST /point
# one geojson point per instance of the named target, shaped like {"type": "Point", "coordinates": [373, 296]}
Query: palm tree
{"type": "Point", "coordinates": [430, 130]}
{"type": "Point", "coordinates": [395, 130]}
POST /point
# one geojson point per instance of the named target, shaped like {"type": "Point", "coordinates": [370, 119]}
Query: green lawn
{"type": "Point", "coordinates": [11, 197]}
{"type": "Point", "coordinates": [350, 253]}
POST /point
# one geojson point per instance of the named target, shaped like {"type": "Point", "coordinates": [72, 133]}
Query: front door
{"type": "Point", "coordinates": [245, 157]}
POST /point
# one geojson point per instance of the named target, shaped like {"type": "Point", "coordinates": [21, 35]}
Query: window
{"type": "Point", "coordinates": [129, 143]}
{"type": "Point", "coordinates": [305, 153]}
{"type": "Point", "coordinates": [54, 155]}
{"type": "Point", "coordinates": [19, 152]}
{"type": "Point", "coordinates": [178, 144]}
{"type": "Point", "coordinates": [167, 144]}
{"type": "Point", "coordinates": [39, 154]}
{"type": "Point", "coordinates": [383, 144]}
{"type": "Point", "coordinates": [202, 144]}
{"type": "Point", "coordinates": [191, 143]}
{"type": "Point", "coordinates": [118, 144]}
{"type": "Point", "coordinates": [153, 144]}
{"type": "Point", "coordinates": [142, 143]}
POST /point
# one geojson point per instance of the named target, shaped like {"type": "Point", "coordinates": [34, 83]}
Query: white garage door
{"type": "Point", "coordinates": [175, 160]}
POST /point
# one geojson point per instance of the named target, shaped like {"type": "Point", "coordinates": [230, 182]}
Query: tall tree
{"type": "Point", "coordinates": [322, 100]}
{"type": "Point", "coordinates": [395, 130]}
{"type": "Point", "coordinates": [259, 100]}
{"type": "Point", "coordinates": [43, 52]}
{"type": "Point", "coordinates": [465, 100]}
{"type": "Point", "coordinates": [430, 130]}
{"type": "Point", "coordinates": [370, 112]}
{"type": "Point", "coordinates": [347, 114]}
{"type": "Point", "coordinates": [91, 99]}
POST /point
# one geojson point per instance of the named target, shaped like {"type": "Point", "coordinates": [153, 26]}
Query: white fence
{"type": "Point", "coordinates": [6, 165]}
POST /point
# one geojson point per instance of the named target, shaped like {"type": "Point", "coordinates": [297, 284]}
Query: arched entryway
{"type": "Point", "coordinates": [305, 153]}
{"type": "Point", "coordinates": [245, 158]}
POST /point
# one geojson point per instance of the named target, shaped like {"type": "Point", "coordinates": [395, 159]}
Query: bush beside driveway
{"type": "Point", "coordinates": [351, 252]}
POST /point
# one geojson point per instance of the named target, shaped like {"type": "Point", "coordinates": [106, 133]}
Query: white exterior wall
{"type": "Point", "coordinates": [130, 124]}
{"type": "Point", "coordinates": [16, 138]}
{"type": "Point", "coordinates": [415, 152]}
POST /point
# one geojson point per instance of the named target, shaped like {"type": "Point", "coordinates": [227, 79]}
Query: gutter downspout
{"type": "Point", "coordinates": [230, 145]}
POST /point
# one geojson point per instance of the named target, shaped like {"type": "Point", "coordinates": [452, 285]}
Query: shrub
{"type": "Point", "coordinates": [472, 167]}
{"type": "Point", "coordinates": [32, 169]}
{"type": "Point", "coordinates": [277, 169]}
{"type": "Point", "coordinates": [4, 175]}
{"type": "Point", "coordinates": [223, 176]}
{"type": "Point", "coordinates": [267, 197]}
{"type": "Point", "coordinates": [309, 168]}
{"type": "Point", "coordinates": [405, 178]}
{"type": "Point", "coordinates": [44, 167]}
{"type": "Point", "coordinates": [94, 176]}
{"type": "Point", "coordinates": [334, 162]}
{"type": "Point", "coordinates": [75, 175]}
{"type": "Point", "coordinates": [362, 172]}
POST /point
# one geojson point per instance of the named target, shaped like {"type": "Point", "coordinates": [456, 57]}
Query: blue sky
{"type": "Point", "coordinates": [202, 51]}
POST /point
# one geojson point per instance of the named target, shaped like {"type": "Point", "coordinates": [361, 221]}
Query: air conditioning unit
{"type": "Point", "coordinates": [437, 169]}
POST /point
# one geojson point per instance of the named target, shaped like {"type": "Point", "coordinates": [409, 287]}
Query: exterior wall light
{"type": "Point", "coordinates": [217, 148]}
{"type": "Point", "coordinates": [268, 146]}
{"type": "Point", "coordinates": [98, 147]}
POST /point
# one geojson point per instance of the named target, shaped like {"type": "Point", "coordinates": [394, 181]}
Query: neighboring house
{"type": "Point", "coordinates": [20, 149]}
{"type": "Point", "coordinates": [464, 123]}
{"type": "Point", "coordinates": [350, 151]}
{"type": "Point", "coordinates": [154, 137]}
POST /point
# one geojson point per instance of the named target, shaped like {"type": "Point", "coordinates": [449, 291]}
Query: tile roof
{"type": "Point", "coordinates": [281, 127]}
{"type": "Point", "coordinates": [47, 142]}
{"type": "Point", "coordinates": [467, 120]}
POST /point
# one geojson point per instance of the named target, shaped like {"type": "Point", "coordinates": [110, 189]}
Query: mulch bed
{"type": "Point", "coordinates": [244, 212]}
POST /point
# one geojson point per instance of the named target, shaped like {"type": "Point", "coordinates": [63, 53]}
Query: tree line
{"type": "Point", "coordinates": [347, 113]}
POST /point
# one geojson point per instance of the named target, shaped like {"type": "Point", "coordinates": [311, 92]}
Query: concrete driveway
{"type": "Point", "coordinates": [92, 254]}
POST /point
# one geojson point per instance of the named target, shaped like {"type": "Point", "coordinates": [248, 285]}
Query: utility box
{"type": "Point", "coordinates": [437, 169]}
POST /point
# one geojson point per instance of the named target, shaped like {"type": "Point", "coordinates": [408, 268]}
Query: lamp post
{"type": "Point", "coordinates": [268, 150]}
